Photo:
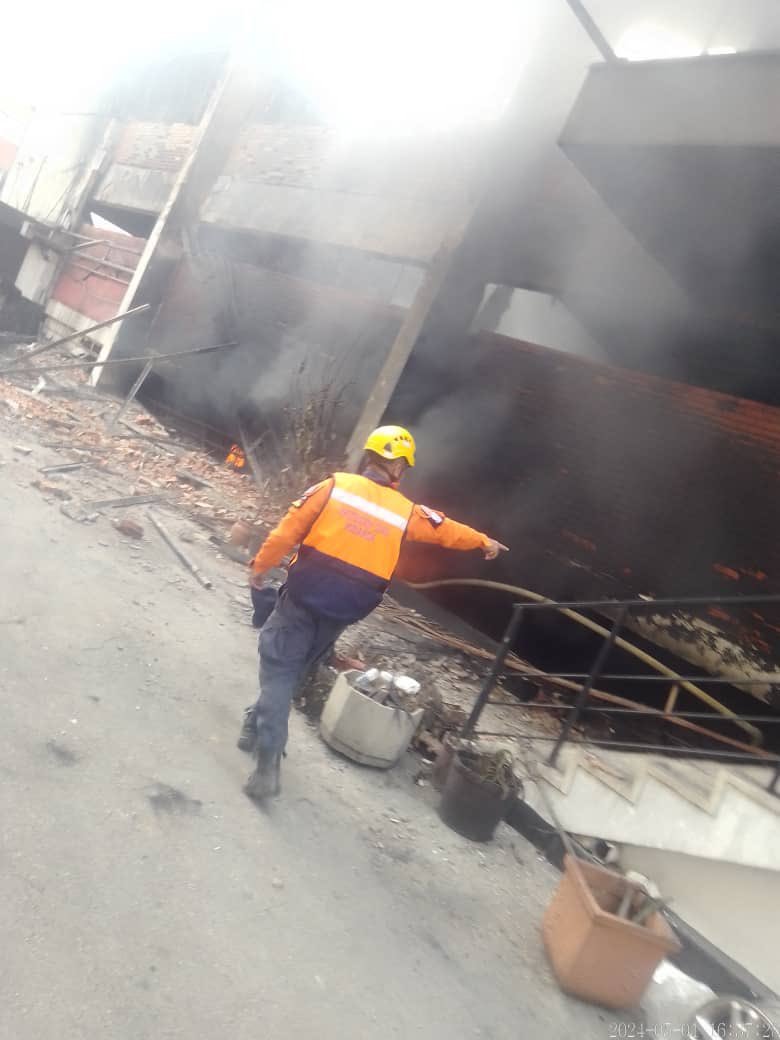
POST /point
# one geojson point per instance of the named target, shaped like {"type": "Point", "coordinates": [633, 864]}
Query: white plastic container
{"type": "Point", "coordinates": [363, 730]}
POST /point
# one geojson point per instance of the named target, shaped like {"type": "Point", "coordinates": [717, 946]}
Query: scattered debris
{"type": "Point", "coordinates": [22, 449]}
{"type": "Point", "coordinates": [429, 746]}
{"type": "Point", "coordinates": [129, 500]}
{"type": "Point", "coordinates": [192, 478]}
{"type": "Point", "coordinates": [310, 698]}
{"type": "Point", "coordinates": [129, 526]}
{"type": "Point", "coordinates": [132, 392]}
{"type": "Point", "coordinates": [493, 767]}
{"type": "Point", "coordinates": [233, 552]}
{"type": "Point", "coordinates": [343, 663]}
{"type": "Point", "coordinates": [64, 468]}
{"type": "Point", "coordinates": [55, 490]}
{"type": "Point", "coordinates": [40, 348]}
{"type": "Point", "coordinates": [80, 516]}
{"type": "Point", "coordinates": [168, 539]}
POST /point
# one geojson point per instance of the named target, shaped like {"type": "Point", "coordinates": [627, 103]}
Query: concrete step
{"type": "Point", "coordinates": [699, 808]}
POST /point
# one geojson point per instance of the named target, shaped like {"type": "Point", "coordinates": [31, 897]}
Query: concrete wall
{"type": "Point", "coordinates": [304, 182]}
{"type": "Point", "coordinates": [154, 146]}
{"type": "Point", "coordinates": [605, 482]}
{"type": "Point", "coordinates": [36, 273]}
{"type": "Point", "coordinates": [295, 339]}
{"type": "Point", "coordinates": [62, 320]}
{"type": "Point", "coordinates": [52, 166]}
{"type": "Point", "coordinates": [144, 165]}
{"type": "Point", "coordinates": [734, 907]}
{"type": "Point", "coordinates": [629, 103]}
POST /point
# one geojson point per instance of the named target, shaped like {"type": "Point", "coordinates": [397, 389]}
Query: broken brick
{"type": "Point", "coordinates": [55, 490]}
{"type": "Point", "coordinates": [131, 527]}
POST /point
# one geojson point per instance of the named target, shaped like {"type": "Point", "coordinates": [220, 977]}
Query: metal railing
{"type": "Point", "coordinates": [732, 749]}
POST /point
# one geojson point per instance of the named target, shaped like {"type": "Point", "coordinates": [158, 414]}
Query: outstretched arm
{"type": "Point", "coordinates": [428, 525]}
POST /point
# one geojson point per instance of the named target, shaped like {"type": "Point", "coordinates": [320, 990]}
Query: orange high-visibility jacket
{"type": "Point", "coordinates": [350, 530]}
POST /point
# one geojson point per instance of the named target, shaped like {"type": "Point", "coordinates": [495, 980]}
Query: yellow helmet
{"type": "Point", "coordinates": [392, 442]}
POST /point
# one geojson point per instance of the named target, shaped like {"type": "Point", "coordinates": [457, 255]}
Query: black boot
{"type": "Point", "coordinates": [264, 782]}
{"type": "Point", "coordinates": [248, 735]}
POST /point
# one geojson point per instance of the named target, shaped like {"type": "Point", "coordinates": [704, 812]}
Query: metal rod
{"type": "Point", "coordinates": [125, 246]}
{"type": "Point", "coordinates": [649, 604]}
{"type": "Point", "coordinates": [756, 680]}
{"type": "Point", "coordinates": [100, 260]}
{"type": "Point", "coordinates": [598, 39]}
{"type": "Point", "coordinates": [92, 271]}
{"type": "Point", "coordinates": [132, 392]}
{"type": "Point", "coordinates": [66, 467]}
{"type": "Point", "coordinates": [642, 710]}
{"type": "Point", "coordinates": [86, 244]}
{"type": "Point", "coordinates": [85, 332]}
{"type": "Point", "coordinates": [118, 361]}
{"type": "Point", "coordinates": [628, 745]}
{"type": "Point", "coordinates": [496, 668]}
{"type": "Point", "coordinates": [587, 686]}
{"type": "Point", "coordinates": [192, 567]}
{"type": "Point", "coordinates": [671, 700]}
{"type": "Point", "coordinates": [123, 503]}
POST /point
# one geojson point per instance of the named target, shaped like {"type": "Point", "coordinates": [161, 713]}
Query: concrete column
{"type": "Point", "coordinates": [418, 316]}
{"type": "Point", "coordinates": [215, 135]}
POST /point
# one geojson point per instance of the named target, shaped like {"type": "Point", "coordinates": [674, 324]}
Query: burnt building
{"type": "Point", "coordinates": [574, 305]}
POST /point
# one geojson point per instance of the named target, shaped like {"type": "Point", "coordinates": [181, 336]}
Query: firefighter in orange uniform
{"type": "Point", "coordinates": [349, 530]}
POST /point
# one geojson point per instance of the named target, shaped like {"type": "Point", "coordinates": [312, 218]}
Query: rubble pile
{"type": "Point", "coordinates": [107, 463]}
{"type": "Point", "coordinates": [138, 447]}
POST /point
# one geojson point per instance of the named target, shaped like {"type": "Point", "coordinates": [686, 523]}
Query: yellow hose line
{"type": "Point", "coordinates": [594, 626]}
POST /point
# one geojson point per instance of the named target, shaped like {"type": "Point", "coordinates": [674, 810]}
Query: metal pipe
{"type": "Point", "coordinates": [671, 700]}
{"type": "Point", "coordinates": [86, 244]}
{"type": "Point", "coordinates": [85, 332]}
{"type": "Point", "coordinates": [667, 604]}
{"type": "Point", "coordinates": [598, 39]}
{"type": "Point", "coordinates": [759, 680]}
{"type": "Point", "coordinates": [91, 271]}
{"type": "Point", "coordinates": [642, 710]}
{"type": "Point", "coordinates": [587, 686]}
{"type": "Point", "coordinates": [191, 566]}
{"type": "Point", "coordinates": [541, 603]}
{"type": "Point", "coordinates": [508, 639]}
{"type": "Point", "coordinates": [101, 262]}
{"type": "Point", "coordinates": [126, 247]}
{"type": "Point", "coordinates": [118, 361]}
{"type": "Point", "coordinates": [680, 752]}
{"type": "Point", "coordinates": [132, 392]}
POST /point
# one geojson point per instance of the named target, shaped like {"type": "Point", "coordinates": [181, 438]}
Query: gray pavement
{"type": "Point", "coordinates": [143, 896]}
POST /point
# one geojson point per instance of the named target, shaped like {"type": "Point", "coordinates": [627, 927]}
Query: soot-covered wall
{"type": "Point", "coordinates": [604, 481]}
{"type": "Point", "coordinates": [295, 337]}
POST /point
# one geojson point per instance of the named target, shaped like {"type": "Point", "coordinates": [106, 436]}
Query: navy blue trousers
{"type": "Point", "coordinates": [293, 641]}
